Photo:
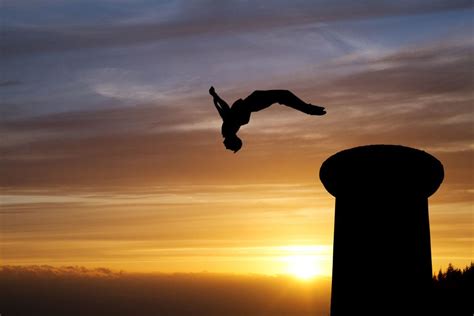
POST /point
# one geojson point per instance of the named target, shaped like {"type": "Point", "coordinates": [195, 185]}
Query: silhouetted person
{"type": "Point", "coordinates": [239, 114]}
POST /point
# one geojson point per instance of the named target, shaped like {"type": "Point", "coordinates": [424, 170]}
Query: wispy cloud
{"type": "Point", "coordinates": [188, 19]}
{"type": "Point", "coordinates": [416, 95]}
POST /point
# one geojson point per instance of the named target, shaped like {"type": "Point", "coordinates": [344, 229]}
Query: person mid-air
{"type": "Point", "coordinates": [239, 114]}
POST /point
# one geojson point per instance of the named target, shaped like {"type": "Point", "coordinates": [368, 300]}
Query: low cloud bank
{"type": "Point", "coordinates": [46, 290]}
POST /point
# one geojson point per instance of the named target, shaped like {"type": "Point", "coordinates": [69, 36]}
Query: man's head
{"type": "Point", "coordinates": [233, 142]}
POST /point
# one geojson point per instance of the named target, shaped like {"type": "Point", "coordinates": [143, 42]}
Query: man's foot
{"type": "Point", "coordinates": [317, 110]}
{"type": "Point", "coordinates": [212, 91]}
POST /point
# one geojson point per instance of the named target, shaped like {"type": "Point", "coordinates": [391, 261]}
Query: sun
{"type": "Point", "coordinates": [304, 267]}
{"type": "Point", "coordinates": [306, 262]}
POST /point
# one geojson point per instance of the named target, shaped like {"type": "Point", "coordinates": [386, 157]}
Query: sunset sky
{"type": "Point", "coordinates": [111, 153]}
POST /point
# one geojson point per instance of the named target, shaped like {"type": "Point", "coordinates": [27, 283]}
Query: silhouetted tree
{"type": "Point", "coordinates": [453, 291]}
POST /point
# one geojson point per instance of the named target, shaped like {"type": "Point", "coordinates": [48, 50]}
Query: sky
{"type": "Point", "coordinates": [111, 153]}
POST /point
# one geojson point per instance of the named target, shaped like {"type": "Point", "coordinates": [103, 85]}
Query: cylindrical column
{"type": "Point", "coordinates": [382, 255]}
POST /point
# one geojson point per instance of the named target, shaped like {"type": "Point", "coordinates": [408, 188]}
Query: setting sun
{"type": "Point", "coordinates": [303, 267]}
{"type": "Point", "coordinates": [305, 262]}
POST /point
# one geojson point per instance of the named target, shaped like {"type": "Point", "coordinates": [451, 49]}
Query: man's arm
{"type": "Point", "coordinates": [221, 106]}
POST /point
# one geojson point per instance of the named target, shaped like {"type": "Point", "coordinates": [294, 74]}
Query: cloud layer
{"type": "Point", "coordinates": [78, 291]}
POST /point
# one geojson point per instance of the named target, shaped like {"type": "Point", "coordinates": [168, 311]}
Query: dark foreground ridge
{"type": "Point", "coordinates": [382, 227]}
{"type": "Point", "coordinates": [77, 291]}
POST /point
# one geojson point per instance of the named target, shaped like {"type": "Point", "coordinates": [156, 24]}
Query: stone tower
{"type": "Point", "coordinates": [382, 253]}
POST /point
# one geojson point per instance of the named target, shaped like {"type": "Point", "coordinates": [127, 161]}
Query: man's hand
{"type": "Point", "coordinates": [212, 91]}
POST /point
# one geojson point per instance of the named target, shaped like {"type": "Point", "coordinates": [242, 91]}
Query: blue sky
{"type": "Point", "coordinates": [72, 55]}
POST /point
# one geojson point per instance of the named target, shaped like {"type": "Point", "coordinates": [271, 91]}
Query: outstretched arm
{"type": "Point", "coordinates": [221, 106]}
{"type": "Point", "coordinates": [260, 100]}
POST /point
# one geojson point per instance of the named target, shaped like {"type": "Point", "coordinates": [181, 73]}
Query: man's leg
{"type": "Point", "coordinates": [260, 100]}
{"type": "Point", "coordinates": [289, 99]}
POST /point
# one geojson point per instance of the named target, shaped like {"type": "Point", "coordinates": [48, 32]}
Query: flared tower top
{"type": "Point", "coordinates": [388, 170]}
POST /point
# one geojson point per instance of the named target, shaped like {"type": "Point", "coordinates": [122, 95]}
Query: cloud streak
{"type": "Point", "coordinates": [205, 18]}
{"type": "Point", "coordinates": [424, 92]}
